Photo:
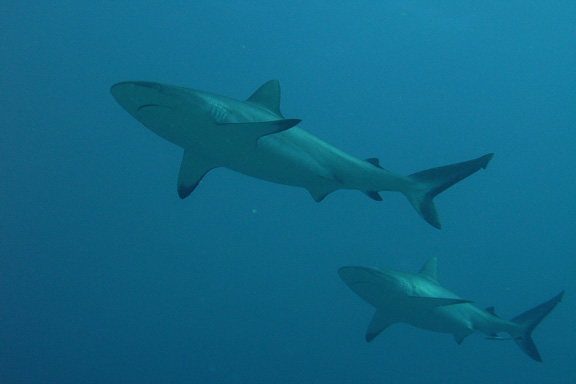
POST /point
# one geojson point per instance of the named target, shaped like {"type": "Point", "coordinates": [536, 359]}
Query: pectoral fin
{"type": "Point", "coordinates": [192, 169]}
{"type": "Point", "coordinates": [246, 134]}
{"type": "Point", "coordinates": [379, 322]}
{"type": "Point", "coordinates": [433, 302]}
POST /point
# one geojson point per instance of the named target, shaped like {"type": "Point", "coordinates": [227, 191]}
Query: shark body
{"type": "Point", "coordinates": [419, 300]}
{"type": "Point", "coordinates": [253, 138]}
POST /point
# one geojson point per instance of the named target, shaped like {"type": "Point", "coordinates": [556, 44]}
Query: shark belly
{"type": "Point", "coordinates": [297, 158]}
{"type": "Point", "coordinates": [453, 319]}
{"type": "Point", "coordinates": [174, 126]}
{"type": "Point", "coordinates": [462, 319]}
{"type": "Point", "coordinates": [285, 158]}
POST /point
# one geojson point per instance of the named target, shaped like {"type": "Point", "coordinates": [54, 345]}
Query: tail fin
{"type": "Point", "coordinates": [528, 321]}
{"type": "Point", "coordinates": [436, 180]}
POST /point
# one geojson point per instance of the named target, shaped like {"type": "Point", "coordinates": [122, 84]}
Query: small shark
{"type": "Point", "coordinates": [253, 138]}
{"type": "Point", "coordinates": [418, 300]}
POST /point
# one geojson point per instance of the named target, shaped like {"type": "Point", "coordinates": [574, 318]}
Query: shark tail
{"type": "Point", "coordinates": [431, 182]}
{"type": "Point", "coordinates": [527, 321]}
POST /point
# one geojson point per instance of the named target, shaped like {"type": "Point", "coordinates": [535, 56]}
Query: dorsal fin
{"type": "Point", "coordinates": [429, 270]}
{"type": "Point", "coordinates": [268, 96]}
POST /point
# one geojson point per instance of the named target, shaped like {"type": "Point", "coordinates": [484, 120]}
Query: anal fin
{"type": "Point", "coordinates": [373, 195]}
{"type": "Point", "coordinates": [192, 170]}
{"type": "Point", "coordinates": [459, 337]}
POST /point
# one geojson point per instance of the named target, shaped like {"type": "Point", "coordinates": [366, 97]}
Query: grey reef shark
{"type": "Point", "coordinates": [253, 138]}
{"type": "Point", "coordinates": [419, 300]}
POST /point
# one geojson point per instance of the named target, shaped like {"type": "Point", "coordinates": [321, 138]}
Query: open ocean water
{"type": "Point", "coordinates": [106, 276]}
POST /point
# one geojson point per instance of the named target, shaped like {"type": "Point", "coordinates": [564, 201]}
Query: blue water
{"type": "Point", "coordinates": [106, 276]}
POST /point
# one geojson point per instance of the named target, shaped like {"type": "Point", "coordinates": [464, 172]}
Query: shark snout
{"type": "Point", "coordinates": [375, 286]}
{"type": "Point", "coordinates": [135, 95]}
{"type": "Point", "coordinates": [147, 84]}
{"type": "Point", "coordinates": [364, 276]}
{"type": "Point", "coordinates": [134, 86]}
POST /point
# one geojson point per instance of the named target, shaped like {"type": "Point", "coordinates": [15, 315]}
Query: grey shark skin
{"type": "Point", "coordinates": [252, 137]}
{"type": "Point", "coordinates": [418, 300]}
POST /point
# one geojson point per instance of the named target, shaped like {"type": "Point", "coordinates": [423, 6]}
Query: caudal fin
{"type": "Point", "coordinates": [433, 181]}
{"type": "Point", "coordinates": [528, 321]}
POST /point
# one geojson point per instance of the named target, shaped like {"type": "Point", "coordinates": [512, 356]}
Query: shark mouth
{"type": "Point", "coordinates": [147, 106]}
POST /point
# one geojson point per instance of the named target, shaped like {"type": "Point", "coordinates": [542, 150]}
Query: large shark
{"type": "Point", "coordinates": [419, 300]}
{"type": "Point", "coordinates": [252, 137]}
